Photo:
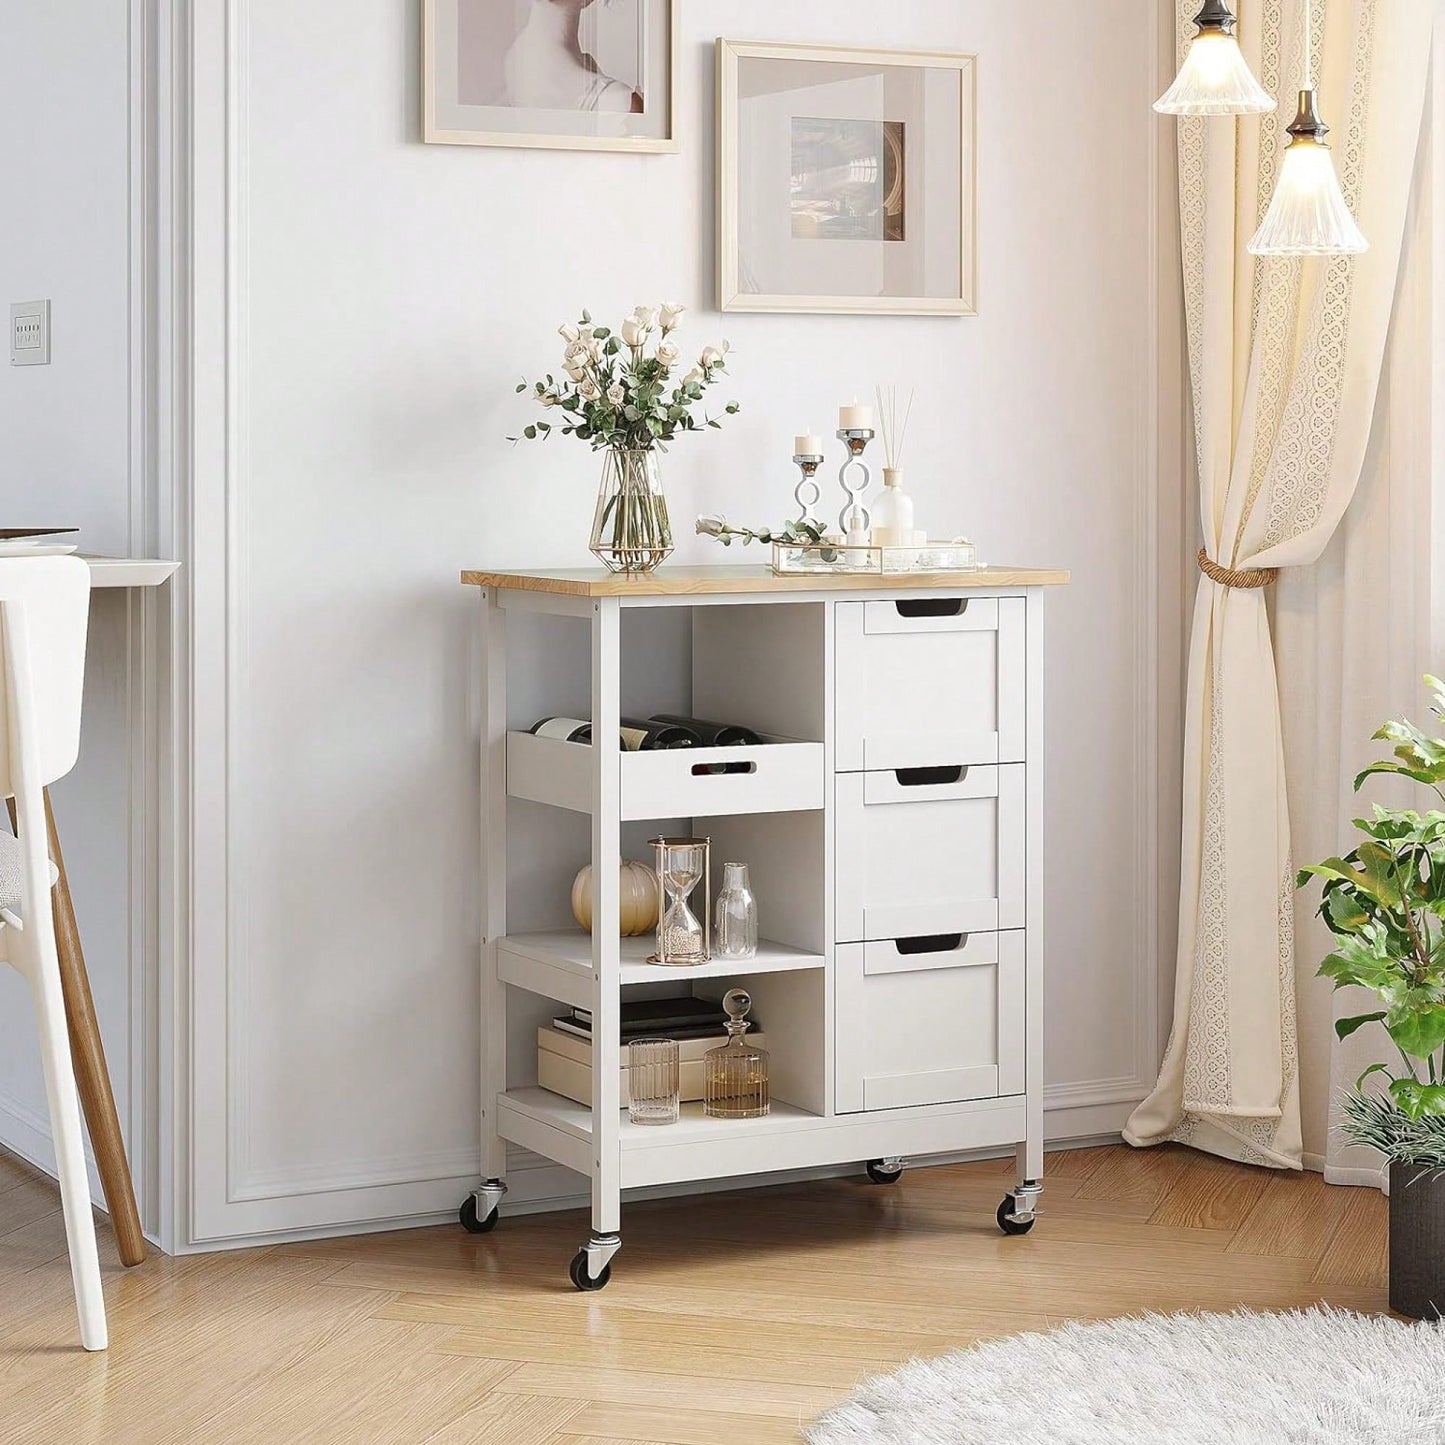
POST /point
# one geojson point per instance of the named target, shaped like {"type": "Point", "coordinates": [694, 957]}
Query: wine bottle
{"type": "Point", "coordinates": [634, 734]}
{"type": "Point", "coordinates": [568, 729]}
{"type": "Point", "coordinates": [649, 736]}
{"type": "Point", "coordinates": [711, 734]}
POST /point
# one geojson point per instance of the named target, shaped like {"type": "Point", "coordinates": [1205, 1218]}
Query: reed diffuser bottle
{"type": "Point", "coordinates": [893, 510]}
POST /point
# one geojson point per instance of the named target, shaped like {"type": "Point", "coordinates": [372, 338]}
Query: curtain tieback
{"type": "Point", "coordinates": [1243, 577]}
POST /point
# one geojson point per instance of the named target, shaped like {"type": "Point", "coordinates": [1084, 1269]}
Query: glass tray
{"type": "Point", "coordinates": [793, 559]}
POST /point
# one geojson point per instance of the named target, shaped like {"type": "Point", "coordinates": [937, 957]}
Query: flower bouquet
{"type": "Point", "coordinates": [625, 394]}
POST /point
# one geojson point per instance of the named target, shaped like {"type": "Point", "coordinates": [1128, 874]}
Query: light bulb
{"type": "Point", "coordinates": [1215, 79]}
{"type": "Point", "coordinates": [1308, 215]}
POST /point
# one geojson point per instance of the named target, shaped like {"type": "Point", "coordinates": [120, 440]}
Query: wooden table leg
{"type": "Point", "coordinates": [92, 1079]}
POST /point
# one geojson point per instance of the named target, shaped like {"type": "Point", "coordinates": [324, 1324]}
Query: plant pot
{"type": "Point", "coordinates": [1417, 1241]}
{"type": "Point", "coordinates": [630, 529]}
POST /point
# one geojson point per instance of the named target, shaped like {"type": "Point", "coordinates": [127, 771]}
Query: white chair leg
{"type": "Point", "coordinates": [70, 1158]}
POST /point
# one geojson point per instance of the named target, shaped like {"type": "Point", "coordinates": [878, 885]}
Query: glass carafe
{"type": "Point", "coordinates": [735, 928]}
{"type": "Point", "coordinates": [682, 938]}
{"type": "Point", "coordinates": [736, 1073]}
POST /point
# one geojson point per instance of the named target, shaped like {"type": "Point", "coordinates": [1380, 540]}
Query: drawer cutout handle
{"type": "Point", "coordinates": [929, 777]}
{"type": "Point", "coordinates": [713, 770]}
{"type": "Point", "coordinates": [932, 606]}
{"type": "Point", "coordinates": [931, 943]}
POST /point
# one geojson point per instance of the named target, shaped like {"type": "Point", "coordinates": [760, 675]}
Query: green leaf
{"type": "Point", "coordinates": [521, 386]}
{"type": "Point", "coordinates": [1417, 1030]}
{"type": "Point", "coordinates": [1373, 1069]}
{"type": "Point", "coordinates": [1416, 1100]}
{"type": "Point", "coordinates": [530, 433]}
{"type": "Point", "coordinates": [1345, 1027]}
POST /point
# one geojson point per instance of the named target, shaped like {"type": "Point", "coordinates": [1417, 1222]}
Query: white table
{"type": "Point", "coordinates": [92, 1078]}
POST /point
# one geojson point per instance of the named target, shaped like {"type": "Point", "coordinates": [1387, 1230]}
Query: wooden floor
{"type": "Point", "coordinates": [729, 1318]}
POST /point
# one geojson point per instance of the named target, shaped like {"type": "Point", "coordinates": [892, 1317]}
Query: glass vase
{"type": "Point", "coordinates": [735, 926]}
{"type": "Point", "coordinates": [630, 529]}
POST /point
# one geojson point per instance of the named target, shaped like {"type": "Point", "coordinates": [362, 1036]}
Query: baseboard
{"type": "Point", "coordinates": [537, 1186]}
{"type": "Point", "coordinates": [27, 1134]}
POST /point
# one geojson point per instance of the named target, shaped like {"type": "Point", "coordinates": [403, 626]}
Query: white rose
{"type": "Point", "coordinates": [711, 357]}
{"type": "Point", "coordinates": [577, 353]}
{"type": "Point", "coordinates": [693, 376]}
{"type": "Point", "coordinates": [711, 526]}
{"type": "Point", "coordinates": [589, 390]}
{"type": "Point", "coordinates": [667, 354]}
{"type": "Point", "coordinates": [594, 348]}
{"type": "Point", "coordinates": [671, 314]}
{"type": "Point", "coordinates": [585, 332]}
{"type": "Point", "coordinates": [633, 331]}
{"type": "Point", "coordinates": [549, 398]}
{"type": "Point", "coordinates": [568, 333]}
{"type": "Point", "coordinates": [575, 370]}
{"type": "Point", "coordinates": [643, 315]}
{"type": "Point", "coordinates": [617, 393]}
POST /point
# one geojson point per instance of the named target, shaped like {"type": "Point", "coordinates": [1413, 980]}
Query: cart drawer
{"type": "Point", "coordinates": [929, 1021]}
{"type": "Point", "coordinates": [929, 680]}
{"type": "Point", "coordinates": [780, 776]}
{"type": "Point", "coordinates": [929, 851]}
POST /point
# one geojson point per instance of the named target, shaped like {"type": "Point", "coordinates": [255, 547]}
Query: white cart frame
{"type": "Point", "coordinates": [599, 1142]}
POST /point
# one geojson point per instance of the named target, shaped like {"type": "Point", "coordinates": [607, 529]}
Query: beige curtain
{"type": "Point", "coordinates": [1353, 636]}
{"type": "Point", "coordinates": [1285, 360]}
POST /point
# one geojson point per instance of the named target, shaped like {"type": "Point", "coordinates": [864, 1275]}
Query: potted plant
{"type": "Point", "coordinates": [1384, 902]}
{"type": "Point", "coordinates": [624, 393]}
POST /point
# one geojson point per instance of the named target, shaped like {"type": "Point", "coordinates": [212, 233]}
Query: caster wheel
{"type": "Point", "coordinates": [467, 1214]}
{"type": "Point", "coordinates": [578, 1271]}
{"type": "Point", "coordinates": [879, 1175]}
{"type": "Point", "coordinates": [1013, 1226]}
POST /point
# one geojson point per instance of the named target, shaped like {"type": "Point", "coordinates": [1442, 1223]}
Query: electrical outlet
{"type": "Point", "coordinates": [30, 333]}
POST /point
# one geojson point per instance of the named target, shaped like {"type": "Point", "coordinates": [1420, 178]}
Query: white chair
{"type": "Point", "coordinates": [44, 608]}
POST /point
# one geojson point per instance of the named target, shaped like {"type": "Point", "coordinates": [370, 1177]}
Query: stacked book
{"type": "Point", "coordinates": [564, 1047]}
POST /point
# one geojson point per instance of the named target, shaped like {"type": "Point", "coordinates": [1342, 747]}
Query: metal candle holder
{"type": "Point", "coordinates": [856, 440]}
{"type": "Point", "coordinates": [808, 493]}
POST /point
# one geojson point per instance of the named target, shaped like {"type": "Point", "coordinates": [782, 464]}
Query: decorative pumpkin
{"type": "Point", "coordinates": [636, 898]}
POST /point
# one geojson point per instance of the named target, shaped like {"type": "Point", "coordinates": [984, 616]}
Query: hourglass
{"type": "Point", "coordinates": [682, 863]}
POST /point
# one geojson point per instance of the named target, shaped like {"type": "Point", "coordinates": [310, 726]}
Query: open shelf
{"type": "Point", "coordinates": [558, 963]}
{"type": "Point", "coordinates": [571, 1118]}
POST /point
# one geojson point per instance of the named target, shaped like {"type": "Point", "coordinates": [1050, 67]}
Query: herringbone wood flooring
{"type": "Point", "coordinates": [729, 1317]}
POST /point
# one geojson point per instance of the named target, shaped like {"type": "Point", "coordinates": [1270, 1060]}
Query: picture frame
{"type": "Point", "coordinates": [482, 58]}
{"type": "Point", "coordinates": [846, 180]}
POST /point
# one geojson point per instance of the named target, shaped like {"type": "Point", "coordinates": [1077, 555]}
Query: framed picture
{"type": "Point", "coordinates": [846, 180]}
{"type": "Point", "coordinates": [565, 74]}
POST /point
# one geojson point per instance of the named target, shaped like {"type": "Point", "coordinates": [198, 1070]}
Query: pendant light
{"type": "Point", "coordinates": [1308, 215]}
{"type": "Point", "coordinates": [1215, 78]}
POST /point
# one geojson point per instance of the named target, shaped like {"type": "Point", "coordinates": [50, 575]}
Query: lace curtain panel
{"type": "Point", "coordinates": [1284, 359]}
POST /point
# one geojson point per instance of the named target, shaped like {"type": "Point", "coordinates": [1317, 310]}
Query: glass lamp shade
{"type": "Point", "coordinates": [1308, 215]}
{"type": "Point", "coordinates": [1215, 79]}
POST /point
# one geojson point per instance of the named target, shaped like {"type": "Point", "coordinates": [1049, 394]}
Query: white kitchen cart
{"type": "Point", "coordinates": [893, 824]}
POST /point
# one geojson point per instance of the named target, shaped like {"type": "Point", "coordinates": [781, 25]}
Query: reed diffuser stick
{"type": "Point", "coordinates": [894, 432]}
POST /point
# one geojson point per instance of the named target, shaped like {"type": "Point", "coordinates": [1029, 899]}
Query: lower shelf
{"type": "Point", "coordinates": [697, 1147]}
{"type": "Point", "coordinates": [576, 1119]}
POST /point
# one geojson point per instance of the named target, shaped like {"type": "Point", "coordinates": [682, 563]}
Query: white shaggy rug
{"type": "Point", "coordinates": [1318, 1377]}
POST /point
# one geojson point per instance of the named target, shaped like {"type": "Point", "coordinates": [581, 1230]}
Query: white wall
{"type": "Point", "coordinates": [385, 296]}
{"type": "Point", "coordinates": [66, 459]}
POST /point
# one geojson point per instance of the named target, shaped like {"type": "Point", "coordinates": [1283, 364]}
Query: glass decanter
{"type": "Point", "coordinates": [736, 921]}
{"type": "Point", "coordinates": [736, 1073]}
{"type": "Point", "coordinates": [682, 863]}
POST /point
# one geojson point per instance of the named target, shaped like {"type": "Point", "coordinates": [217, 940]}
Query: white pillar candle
{"type": "Point", "coordinates": [807, 445]}
{"type": "Point", "coordinates": [854, 417]}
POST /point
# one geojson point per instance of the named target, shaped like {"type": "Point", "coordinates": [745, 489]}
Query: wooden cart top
{"type": "Point", "coordinates": [670, 581]}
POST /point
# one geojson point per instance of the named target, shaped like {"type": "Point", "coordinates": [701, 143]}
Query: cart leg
{"type": "Point", "coordinates": [1019, 1209]}
{"type": "Point", "coordinates": [494, 900]}
{"type": "Point", "coordinates": [591, 1269]}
